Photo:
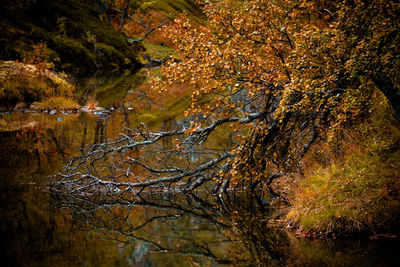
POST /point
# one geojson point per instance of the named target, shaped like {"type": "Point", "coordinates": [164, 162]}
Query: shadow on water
{"type": "Point", "coordinates": [163, 229]}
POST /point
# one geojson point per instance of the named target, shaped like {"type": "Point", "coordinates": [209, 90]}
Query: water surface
{"type": "Point", "coordinates": [164, 229]}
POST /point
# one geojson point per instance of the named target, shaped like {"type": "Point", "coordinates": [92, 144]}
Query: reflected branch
{"type": "Point", "coordinates": [181, 224]}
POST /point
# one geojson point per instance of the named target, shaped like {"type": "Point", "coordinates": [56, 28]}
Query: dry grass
{"type": "Point", "coordinates": [25, 83]}
{"type": "Point", "coordinates": [91, 104]}
{"type": "Point", "coordinates": [354, 185]}
{"type": "Point", "coordinates": [56, 102]}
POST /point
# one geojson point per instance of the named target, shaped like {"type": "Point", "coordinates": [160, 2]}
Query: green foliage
{"type": "Point", "coordinates": [106, 53]}
{"type": "Point", "coordinates": [61, 26]}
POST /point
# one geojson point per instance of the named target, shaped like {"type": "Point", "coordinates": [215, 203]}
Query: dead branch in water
{"type": "Point", "coordinates": [143, 160]}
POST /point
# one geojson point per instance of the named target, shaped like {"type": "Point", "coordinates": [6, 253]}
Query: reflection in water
{"type": "Point", "coordinates": [100, 132]}
{"type": "Point", "coordinates": [167, 229]}
{"type": "Point", "coordinates": [163, 229]}
{"type": "Point", "coordinates": [187, 226]}
{"type": "Point", "coordinates": [107, 89]}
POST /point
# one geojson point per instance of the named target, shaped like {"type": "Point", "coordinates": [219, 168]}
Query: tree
{"type": "Point", "coordinates": [107, 8]}
{"type": "Point", "coordinates": [280, 73]}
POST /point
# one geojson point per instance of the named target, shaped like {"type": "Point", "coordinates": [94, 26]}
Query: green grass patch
{"type": "Point", "coordinates": [158, 51]}
{"type": "Point", "coordinates": [15, 91]}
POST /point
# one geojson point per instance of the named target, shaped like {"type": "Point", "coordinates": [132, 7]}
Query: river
{"type": "Point", "coordinates": [164, 229]}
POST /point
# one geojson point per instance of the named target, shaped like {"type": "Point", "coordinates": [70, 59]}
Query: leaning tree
{"type": "Point", "coordinates": [272, 77]}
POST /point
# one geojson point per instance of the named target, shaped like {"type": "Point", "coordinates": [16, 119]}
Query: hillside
{"type": "Point", "coordinates": [77, 40]}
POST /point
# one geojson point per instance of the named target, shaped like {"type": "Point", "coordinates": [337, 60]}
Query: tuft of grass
{"type": "Point", "coordinates": [356, 189]}
{"type": "Point", "coordinates": [348, 197]}
{"type": "Point", "coordinates": [91, 104]}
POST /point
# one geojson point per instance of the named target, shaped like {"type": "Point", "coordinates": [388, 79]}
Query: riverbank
{"type": "Point", "coordinates": [29, 86]}
{"type": "Point", "coordinates": [351, 185]}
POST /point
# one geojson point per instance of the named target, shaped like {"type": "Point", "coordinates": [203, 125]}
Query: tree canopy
{"type": "Point", "coordinates": [308, 66]}
{"type": "Point", "coordinates": [281, 74]}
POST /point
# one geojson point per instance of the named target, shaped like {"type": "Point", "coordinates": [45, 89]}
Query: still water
{"type": "Point", "coordinates": [42, 229]}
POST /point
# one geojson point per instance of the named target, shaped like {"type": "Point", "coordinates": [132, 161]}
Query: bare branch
{"type": "Point", "coordinates": [148, 32]}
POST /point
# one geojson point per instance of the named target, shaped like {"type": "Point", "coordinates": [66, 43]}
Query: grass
{"type": "Point", "coordinates": [15, 91]}
{"type": "Point", "coordinates": [158, 51]}
{"type": "Point", "coordinates": [24, 84]}
{"type": "Point", "coordinates": [173, 8]}
{"type": "Point", "coordinates": [56, 102]}
{"type": "Point", "coordinates": [356, 189]}
{"type": "Point", "coordinates": [348, 197]}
